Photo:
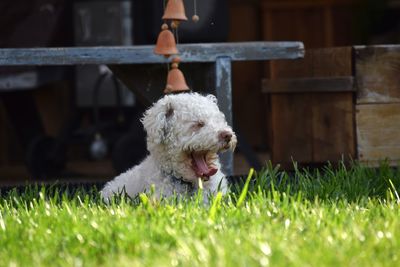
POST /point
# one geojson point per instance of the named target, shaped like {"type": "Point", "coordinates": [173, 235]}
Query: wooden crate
{"type": "Point", "coordinates": [377, 71]}
{"type": "Point", "coordinates": [336, 102]}
{"type": "Point", "coordinates": [311, 108]}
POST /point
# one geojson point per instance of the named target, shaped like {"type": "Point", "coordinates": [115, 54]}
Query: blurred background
{"type": "Point", "coordinates": [82, 123]}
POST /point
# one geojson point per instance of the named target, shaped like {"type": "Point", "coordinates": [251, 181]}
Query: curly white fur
{"type": "Point", "coordinates": [177, 126]}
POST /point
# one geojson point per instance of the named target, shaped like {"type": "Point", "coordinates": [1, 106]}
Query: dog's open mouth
{"type": "Point", "coordinates": [202, 164]}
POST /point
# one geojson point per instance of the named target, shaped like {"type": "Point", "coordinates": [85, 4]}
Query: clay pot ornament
{"type": "Point", "coordinates": [176, 81]}
{"type": "Point", "coordinates": [166, 44]}
{"type": "Point", "coordinates": [175, 11]}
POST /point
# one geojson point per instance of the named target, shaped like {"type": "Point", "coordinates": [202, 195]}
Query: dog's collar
{"type": "Point", "coordinates": [181, 184]}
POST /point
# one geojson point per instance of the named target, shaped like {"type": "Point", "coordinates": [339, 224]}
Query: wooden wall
{"type": "Point", "coordinates": [318, 23]}
{"type": "Point", "coordinates": [378, 103]}
{"type": "Point", "coordinates": [248, 101]}
{"type": "Point", "coordinates": [312, 110]}
{"type": "Point", "coordinates": [310, 127]}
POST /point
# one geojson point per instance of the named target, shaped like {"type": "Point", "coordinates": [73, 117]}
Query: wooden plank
{"type": "Point", "coordinates": [377, 74]}
{"type": "Point", "coordinates": [329, 28]}
{"type": "Point", "coordinates": [314, 127]}
{"type": "Point", "coordinates": [144, 54]}
{"type": "Point", "coordinates": [304, 85]}
{"type": "Point", "coordinates": [377, 116]}
{"type": "Point", "coordinates": [223, 88]}
{"type": "Point", "coordinates": [333, 113]}
{"type": "Point", "coordinates": [317, 23]}
{"type": "Point", "coordinates": [304, 25]}
{"type": "Point", "coordinates": [291, 137]}
{"type": "Point", "coordinates": [333, 127]}
{"type": "Point", "coordinates": [332, 62]}
{"type": "Point", "coordinates": [247, 75]}
{"type": "Point", "coordinates": [291, 128]}
{"type": "Point", "coordinates": [379, 154]}
{"type": "Point", "coordinates": [378, 128]}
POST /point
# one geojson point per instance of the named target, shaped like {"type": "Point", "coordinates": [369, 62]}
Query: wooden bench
{"type": "Point", "coordinates": [208, 68]}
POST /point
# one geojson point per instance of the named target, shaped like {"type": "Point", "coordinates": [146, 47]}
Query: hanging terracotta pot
{"type": "Point", "coordinates": [166, 44]}
{"type": "Point", "coordinates": [175, 10]}
{"type": "Point", "coordinates": [176, 81]}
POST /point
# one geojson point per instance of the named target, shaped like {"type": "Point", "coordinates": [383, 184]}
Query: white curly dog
{"type": "Point", "coordinates": [185, 133]}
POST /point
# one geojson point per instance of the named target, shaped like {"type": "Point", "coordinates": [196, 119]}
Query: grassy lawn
{"type": "Point", "coordinates": [335, 217]}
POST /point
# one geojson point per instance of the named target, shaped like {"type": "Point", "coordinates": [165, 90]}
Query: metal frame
{"type": "Point", "coordinates": [220, 55]}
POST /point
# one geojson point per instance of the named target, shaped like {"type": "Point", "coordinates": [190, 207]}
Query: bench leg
{"type": "Point", "coordinates": [223, 88]}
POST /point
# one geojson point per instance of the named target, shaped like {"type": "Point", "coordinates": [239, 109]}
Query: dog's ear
{"type": "Point", "coordinates": [157, 120]}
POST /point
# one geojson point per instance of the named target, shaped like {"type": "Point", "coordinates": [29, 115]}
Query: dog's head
{"type": "Point", "coordinates": [185, 132]}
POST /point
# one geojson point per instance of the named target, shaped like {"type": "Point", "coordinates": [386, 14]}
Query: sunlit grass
{"type": "Point", "coordinates": [337, 216]}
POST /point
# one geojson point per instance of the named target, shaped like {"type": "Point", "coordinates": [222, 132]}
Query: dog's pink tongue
{"type": "Point", "coordinates": [201, 167]}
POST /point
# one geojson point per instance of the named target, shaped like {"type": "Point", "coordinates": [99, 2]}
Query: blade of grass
{"type": "Point", "coordinates": [245, 189]}
{"type": "Point", "coordinates": [394, 191]}
{"type": "Point", "coordinates": [214, 207]}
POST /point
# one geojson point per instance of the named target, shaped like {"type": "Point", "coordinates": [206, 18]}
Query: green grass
{"type": "Point", "coordinates": [335, 217]}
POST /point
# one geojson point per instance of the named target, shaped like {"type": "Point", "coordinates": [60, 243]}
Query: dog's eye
{"type": "Point", "coordinates": [200, 124]}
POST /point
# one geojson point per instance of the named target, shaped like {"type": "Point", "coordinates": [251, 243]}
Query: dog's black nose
{"type": "Point", "coordinates": [225, 136]}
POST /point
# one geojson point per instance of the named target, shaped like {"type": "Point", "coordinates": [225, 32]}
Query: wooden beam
{"type": "Point", "coordinates": [244, 51]}
{"type": "Point", "coordinates": [377, 74]}
{"type": "Point", "coordinates": [308, 85]}
{"type": "Point", "coordinates": [378, 127]}
{"type": "Point", "coordinates": [223, 88]}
